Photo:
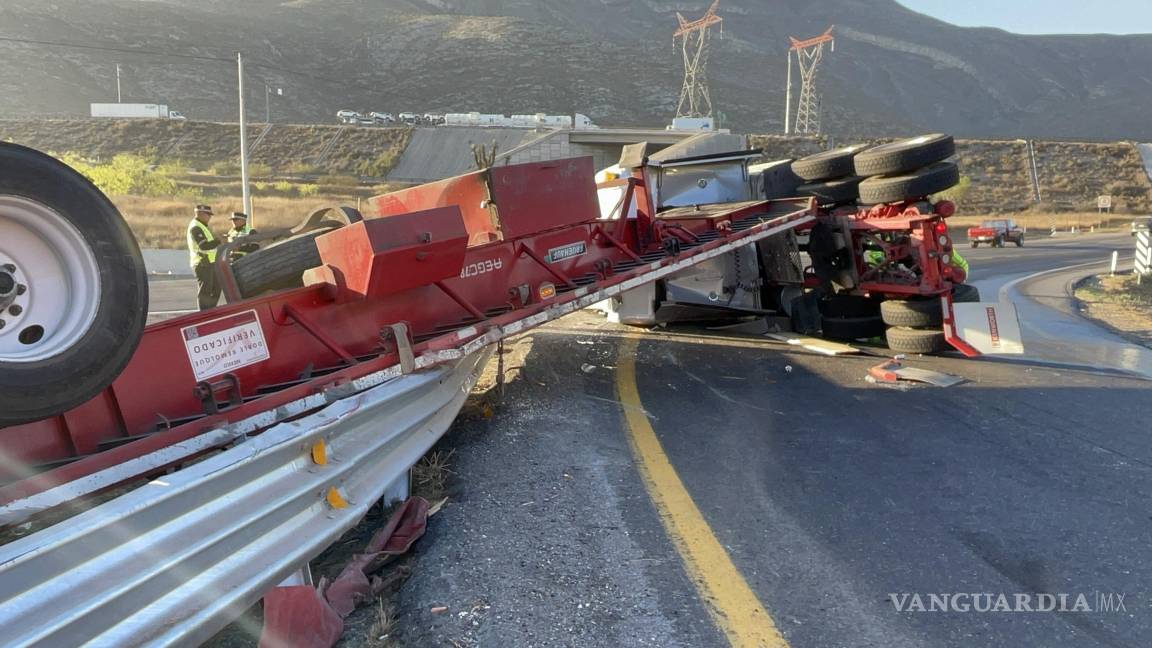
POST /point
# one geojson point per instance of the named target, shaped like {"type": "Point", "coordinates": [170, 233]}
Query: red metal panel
{"type": "Point", "coordinates": [469, 192]}
{"type": "Point", "coordinates": [389, 255]}
{"type": "Point", "coordinates": [540, 196]}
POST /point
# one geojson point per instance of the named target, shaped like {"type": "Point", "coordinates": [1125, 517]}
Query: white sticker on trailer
{"type": "Point", "coordinates": [993, 328]}
{"type": "Point", "coordinates": [222, 345]}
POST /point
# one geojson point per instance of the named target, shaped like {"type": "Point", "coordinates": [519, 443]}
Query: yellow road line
{"type": "Point", "coordinates": [725, 593]}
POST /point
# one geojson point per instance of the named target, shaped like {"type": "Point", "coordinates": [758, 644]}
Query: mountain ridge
{"type": "Point", "coordinates": [894, 71]}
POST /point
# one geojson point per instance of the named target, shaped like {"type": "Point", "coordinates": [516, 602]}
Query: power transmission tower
{"type": "Point", "coordinates": [809, 53]}
{"type": "Point", "coordinates": [695, 100]}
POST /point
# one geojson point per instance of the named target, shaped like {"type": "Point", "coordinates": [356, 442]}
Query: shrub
{"type": "Point", "coordinates": [379, 166]}
{"type": "Point", "coordinates": [956, 194]}
{"type": "Point", "coordinates": [308, 190]}
{"type": "Point", "coordinates": [339, 181]}
{"type": "Point", "coordinates": [225, 168]}
{"type": "Point", "coordinates": [126, 174]}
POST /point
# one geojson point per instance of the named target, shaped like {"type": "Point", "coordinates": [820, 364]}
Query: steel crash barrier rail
{"type": "Point", "coordinates": [174, 561]}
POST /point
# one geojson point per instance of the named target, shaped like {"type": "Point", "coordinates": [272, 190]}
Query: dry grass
{"type": "Point", "coordinates": [1121, 303]}
{"type": "Point", "coordinates": [161, 223]}
{"type": "Point", "coordinates": [380, 634]}
{"type": "Point", "coordinates": [430, 475]}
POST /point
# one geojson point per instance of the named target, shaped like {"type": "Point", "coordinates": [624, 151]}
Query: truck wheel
{"type": "Point", "coordinates": [827, 165]}
{"type": "Point", "coordinates": [1020, 241]}
{"type": "Point", "coordinates": [843, 190]}
{"type": "Point", "coordinates": [915, 185]}
{"type": "Point", "coordinates": [73, 290]}
{"type": "Point", "coordinates": [910, 340]}
{"type": "Point", "coordinates": [912, 313]}
{"type": "Point", "coordinates": [849, 306]}
{"type": "Point", "coordinates": [999, 242]}
{"type": "Point", "coordinates": [975, 244]}
{"type": "Point", "coordinates": [905, 155]}
{"type": "Point", "coordinates": [965, 293]}
{"type": "Point", "coordinates": [851, 328]}
{"type": "Point", "coordinates": [278, 266]}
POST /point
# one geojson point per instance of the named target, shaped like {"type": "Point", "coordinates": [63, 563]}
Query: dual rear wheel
{"type": "Point", "coordinates": [73, 289]}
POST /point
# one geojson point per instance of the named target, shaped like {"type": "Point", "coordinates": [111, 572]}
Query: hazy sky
{"type": "Point", "coordinates": [1043, 16]}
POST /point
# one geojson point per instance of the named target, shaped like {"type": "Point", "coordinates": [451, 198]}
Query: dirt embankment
{"type": "Point", "coordinates": [286, 149]}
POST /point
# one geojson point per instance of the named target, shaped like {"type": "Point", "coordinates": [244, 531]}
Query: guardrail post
{"type": "Point", "coordinates": [1115, 260]}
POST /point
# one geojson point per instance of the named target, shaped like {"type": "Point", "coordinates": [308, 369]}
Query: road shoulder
{"type": "Point", "coordinates": [549, 537]}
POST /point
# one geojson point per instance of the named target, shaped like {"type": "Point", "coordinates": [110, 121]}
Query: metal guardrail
{"type": "Point", "coordinates": [176, 560]}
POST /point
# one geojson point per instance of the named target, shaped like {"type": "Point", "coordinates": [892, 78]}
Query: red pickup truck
{"type": "Point", "coordinates": [995, 233]}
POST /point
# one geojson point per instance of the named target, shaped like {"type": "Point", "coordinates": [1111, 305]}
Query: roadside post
{"type": "Point", "coordinates": [1115, 260]}
{"type": "Point", "coordinates": [1143, 254]}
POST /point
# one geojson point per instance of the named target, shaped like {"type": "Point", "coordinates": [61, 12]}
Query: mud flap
{"type": "Point", "coordinates": [983, 328]}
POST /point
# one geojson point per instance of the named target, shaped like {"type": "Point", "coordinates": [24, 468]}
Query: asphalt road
{"type": "Point", "coordinates": [679, 488]}
{"type": "Point", "coordinates": [168, 297]}
{"type": "Point", "coordinates": [992, 268]}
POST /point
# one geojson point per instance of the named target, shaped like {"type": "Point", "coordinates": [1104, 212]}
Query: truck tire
{"type": "Point", "coordinates": [999, 242]}
{"type": "Point", "coordinates": [278, 267]}
{"type": "Point", "coordinates": [965, 293]}
{"type": "Point", "coordinates": [851, 328]}
{"type": "Point", "coordinates": [910, 340]}
{"type": "Point", "coordinates": [905, 155]}
{"type": "Point", "coordinates": [73, 288]}
{"type": "Point", "coordinates": [975, 244]}
{"type": "Point", "coordinates": [843, 190]}
{"type": "Point", "coordinates": [915, 185]}
{"type": "Point", "coordinates": [827, 165]}
{"type": "Point", "coordinates": [1020, 241]}
{"type": "Point", "coordinates": [849, 306]}
{"type": "Point", "coordinates": [913, 313]}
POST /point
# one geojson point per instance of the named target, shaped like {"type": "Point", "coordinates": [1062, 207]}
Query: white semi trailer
{"type": "Point", "coordinates": [134, 111]}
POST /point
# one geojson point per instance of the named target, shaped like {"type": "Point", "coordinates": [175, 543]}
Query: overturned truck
{"type": "Point", "coordinates": [873, 264]}
{"type": "Point", "coordinates": [348, 347]}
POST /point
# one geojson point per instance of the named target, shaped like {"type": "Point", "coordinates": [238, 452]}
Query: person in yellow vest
{"type": "Point", "coordinates": [202, 244]}
{"type": "Point", "coordinates": [240, 228]}
{"type": "Point", "coordinates": [961, 263]}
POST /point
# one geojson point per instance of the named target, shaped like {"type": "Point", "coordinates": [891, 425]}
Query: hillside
{"type": "Point", "coordinates": [1072, 174]}
{"type": "Point", "coordinates": [285, 149]}
{"type": "Point", "coordinates": [893, 72]}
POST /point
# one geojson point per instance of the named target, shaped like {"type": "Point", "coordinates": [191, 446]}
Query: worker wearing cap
{"type": "Point", "coordinates": [202, 244]}
{"type": "Point", "coordinates": [240, 228]}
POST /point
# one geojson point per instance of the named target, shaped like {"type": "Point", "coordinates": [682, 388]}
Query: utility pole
{"type": "Point", "coordinates": [695, 98]}
{"type": "Point", "coordinates": [809, 54]}
{"type": "Point", "coordinates": [788, 97]}
{"type": "Point", "coordinates": [118, 96]}
{"type": "Point", "coordinates": [244, 144]}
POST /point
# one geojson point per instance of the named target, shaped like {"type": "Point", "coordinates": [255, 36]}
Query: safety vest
{"type": "Point", "coordinates": [234, 233]}
{"type": "Point", "coordinates": [195, 254]}
{"type": "Point", "coordinates": [959, 261]}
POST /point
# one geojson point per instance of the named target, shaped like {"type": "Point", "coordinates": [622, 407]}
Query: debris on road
{"type": "Point", "coordinates": [825, 347]}
{"type": "Point", "coordinates": [313, 617]}
{"type": "Point", "coordinates": [894, 371]}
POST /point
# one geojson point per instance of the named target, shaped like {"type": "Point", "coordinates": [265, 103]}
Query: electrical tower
{"type": "Point", "coordinates": [695, 100]}
{"type": "Point", "coordinates": [809, 53]}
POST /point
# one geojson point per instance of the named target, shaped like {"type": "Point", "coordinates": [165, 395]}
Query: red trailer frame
{"type": "Point", "coordinates": [438, 268]}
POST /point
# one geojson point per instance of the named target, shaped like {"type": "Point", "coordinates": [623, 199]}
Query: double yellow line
{"type": "Point", "coordinates": [733, 606]}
